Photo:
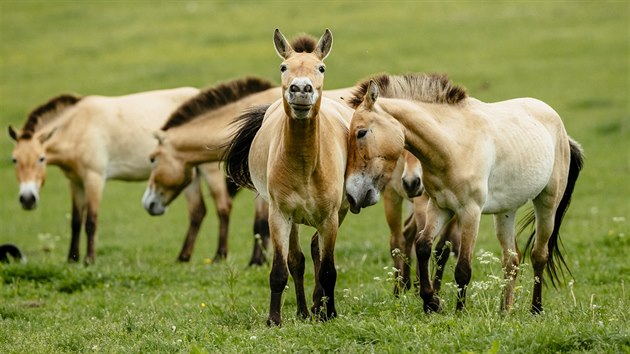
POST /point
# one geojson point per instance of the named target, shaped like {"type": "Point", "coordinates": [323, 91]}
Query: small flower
{"type": "Point", "coordinates": [203, 305]}
{"type": "Point", "coordinates": [207, 261]}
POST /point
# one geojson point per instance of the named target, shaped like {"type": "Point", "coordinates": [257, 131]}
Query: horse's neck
{"type": "Point", "coordinates": [300, 142]}
{"type": "Point", "coordinates": [424, 136]}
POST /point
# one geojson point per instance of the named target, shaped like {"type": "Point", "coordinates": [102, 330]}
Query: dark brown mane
{"type": "Point", "coordinates": [216, 97]}
{"type": "Point", "coordinates": [54, 106]}
{"type": "Point", "coordinates": [430, 88]}
{"type": "Point", "coordinates": [304, 44]}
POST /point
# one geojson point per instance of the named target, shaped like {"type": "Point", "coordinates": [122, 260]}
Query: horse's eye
{"type": "Point", "coordinates": [42, 159]}
{"type": "Point", "coordinates": [361, 133]}
{"type": "Point", "coordinates": [283, 68]}
{"type": "Point", "coordinates": [322, 69]}
{"type": "Point", "coordinates": [14, 160]}
{"type": "Point", "coordinates": [152, 159]}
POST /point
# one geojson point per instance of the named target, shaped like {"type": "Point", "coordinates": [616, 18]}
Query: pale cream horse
{"type": "Point", "coordinates": [296, 158]}
{"type": "Point", "coordinates": [94, 139]}
{"type": "Point", "coordinates": [197, 133]}
{"type": "Point", "coordinates": [476, 158]}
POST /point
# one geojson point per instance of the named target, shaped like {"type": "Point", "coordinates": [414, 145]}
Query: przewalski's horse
{"type": "Point", "coordinates": [476, 158]}
{"type": "Point", "coordinates": [295, 158]}
{"type": "Point", "coordinates": [197, 133]}
{"type": "Point", "coordinates": [93, 139]}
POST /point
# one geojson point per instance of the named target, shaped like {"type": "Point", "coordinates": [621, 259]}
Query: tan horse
{"type": "Point", "coordinates": [93, 139]}
{"type": "Point", "coordinates": [295, 158]}
{"type": "Point", "coordinates": [197, 133]}
{"type": "Point", "coordinates": [476, 158]}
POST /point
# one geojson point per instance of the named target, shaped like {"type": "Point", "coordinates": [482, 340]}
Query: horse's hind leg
{"type": "Point", "coordinates": [540, 252]}
{"type": "Point", "coordinates": [261, 233]}
{"type": "Point", "coordinates": [215, 179]}
{"type": "Point", "coordinates": [296, 262]}
{"type": "Point", "coordinates": [78, 212]}
{"type": "Point", "coordinates": [504, 225]}
{"type": "Point", "coordinates": [196, 213]}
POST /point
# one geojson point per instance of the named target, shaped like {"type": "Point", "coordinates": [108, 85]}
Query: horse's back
{"type": "Point", "coordinates": [524, 137]}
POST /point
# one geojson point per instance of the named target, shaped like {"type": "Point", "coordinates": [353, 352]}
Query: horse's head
{"type": "Point", "coordinates": [29, 159]}
{"type": "Point", "coordinates": [169, 176]}
{"type": "Point", "coordinates": [302, 73]}
{"type": "Point", "coordinates": [412, 176]}
{"type": "Point", "coordinates": [375, 143]}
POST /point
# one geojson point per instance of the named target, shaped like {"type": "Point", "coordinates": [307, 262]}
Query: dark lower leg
{"type": "Point", "coordinates": [296, 268]}
{"type": "Point", "coordinates": [278, 279]}
{"type": "Point", "coordinates": [196, 217]}
{"type": "Point", "coordinates": [222, 248]}
{"type": "Point", "coordinates": [261, 240]}
{"type": "Point", "coordinates": [75, 226]}
{"type": "Point", "coordinates": [463, 273]}
{"type": "Point", "coordinates": [90, 230]}
{"type": "Point", "coordinates": [324, 305]}
{"type": "Point", "coordinates": [423, 253]}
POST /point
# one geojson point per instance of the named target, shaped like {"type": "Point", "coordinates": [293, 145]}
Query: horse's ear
{"type": "Point", "coordinates": [371, 95]}
{"type": "Point", "coordinates": [324, 45]}
{"type": "Point", "coordinates": [13, 134]}
{"type": "Point", "coordinates": [159, 136]}
{"type": "Point", "coordinates": [44, 137]}
{"type": "Point", "coordinates": [283, 48]}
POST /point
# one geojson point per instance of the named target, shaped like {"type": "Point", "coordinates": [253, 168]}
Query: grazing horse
{"type": "Point", "coordinates": [197, 133]}
{"type": "Point", "coordinates": [93, 139]}
{"type": "Point", "coordinates": [296, 158]}
{"type": "Point", "coordinates": [476, 158]}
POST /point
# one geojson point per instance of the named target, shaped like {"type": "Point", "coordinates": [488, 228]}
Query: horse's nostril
{"type": "Point", "coordinates": [308, 88]}
{"type": "Point", "coordinates": [351, 199]}
{"type": "Point", "coordinates": [294, 88]}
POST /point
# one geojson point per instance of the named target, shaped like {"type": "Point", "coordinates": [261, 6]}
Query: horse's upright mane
{"type": "Point", "coordinates": [214, 98]}
{"type": "Point", "coordinates": [430, 88]}
{"type": "Point", "coordinates": [47, 110]}
{"type": "Point", "coordinates": [304, 44]}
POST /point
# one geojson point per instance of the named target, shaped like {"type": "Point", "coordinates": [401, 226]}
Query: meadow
{"type": "Point", "coordinates": [137, 299]}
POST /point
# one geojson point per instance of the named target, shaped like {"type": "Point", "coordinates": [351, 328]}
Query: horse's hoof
{"type": "Point", "coordinates": [433, 305]}
{"type": "Point", "coordinates": [274, 322]}
{"type": "Point", "coordinates": [183, 259]}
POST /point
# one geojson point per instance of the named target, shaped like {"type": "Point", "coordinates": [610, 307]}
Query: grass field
{"type": "Point", "coordinates": [136, 299]}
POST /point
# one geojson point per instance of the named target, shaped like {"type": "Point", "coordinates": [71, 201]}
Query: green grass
{"type": "Point", "coordinates": [573, 55]}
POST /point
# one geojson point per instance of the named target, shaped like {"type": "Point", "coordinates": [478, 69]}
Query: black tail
{"type": "Point", "coordinates": [556, 261]}
{"type": "Point", "coordinates": [7, 250]}
{"type": "Point", "coordinates": [237, 153]}
{"type": "Point", "coordinates": [232, 187]}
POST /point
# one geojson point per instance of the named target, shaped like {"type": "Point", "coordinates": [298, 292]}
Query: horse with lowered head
{"type": "Point", "coordinates": [476, 158]}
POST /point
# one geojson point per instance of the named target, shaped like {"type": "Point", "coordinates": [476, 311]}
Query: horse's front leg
{"type": "Point", "coordinates": [324, 293]}
{"type": "Point", "coordinates": [393, 214]}
{"type": "Point", "coordinates": [504, 225]}
{"type": "Point", "coordinates": [94, 184]}
{"type": "Point", "coordinates": [215, 179]}
{"type": "Point", "coordinates": [435, 220]}
{"type": "Point", "coordinates": [469, 226]}
{"type": "Point", "coordinates": [261, 233]}
{"type": "Point", "coordinates": [447, 243]}
{"type": "Point", "coordinates": [196, 213]}
{"type": "Point", "coordinates": [296, 268]}
{"type": "Point", "coordinates": [78, 212]}
{"type": "Point", "coordinates": [280, 230]}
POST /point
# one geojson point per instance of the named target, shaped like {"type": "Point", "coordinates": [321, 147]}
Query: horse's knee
{"type": "Point", "coordinates": [423, 248]}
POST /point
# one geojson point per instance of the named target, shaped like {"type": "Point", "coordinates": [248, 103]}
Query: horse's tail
{"type": "Point", "coordinates": [556, 261]}
{"type": "Point", "coordinates": [232, 187]}
{"type": "Point", "coordinates": [7, 250]}
{"type": "Point", "coordinates": [237, 153]}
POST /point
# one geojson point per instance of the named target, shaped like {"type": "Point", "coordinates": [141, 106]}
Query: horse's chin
{"type": "Point", "coordinates": [355, 209]}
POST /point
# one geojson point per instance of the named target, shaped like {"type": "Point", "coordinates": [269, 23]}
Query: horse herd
{"type": "Point", "coordinates": [312, 155]}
